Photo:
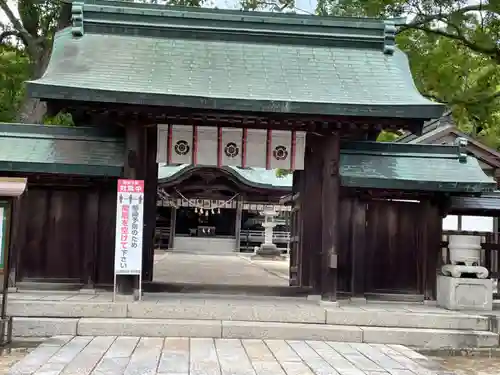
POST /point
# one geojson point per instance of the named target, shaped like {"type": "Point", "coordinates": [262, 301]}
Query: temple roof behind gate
{"type": "Point", "coordinates": [146, 54]}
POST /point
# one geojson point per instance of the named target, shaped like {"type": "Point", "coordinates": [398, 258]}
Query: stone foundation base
{"type": "Point", "coordinates": [464, 294]}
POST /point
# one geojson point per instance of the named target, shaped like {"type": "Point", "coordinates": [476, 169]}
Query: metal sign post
{"type": "Point", "coordinates": [5, 209]}
{"type": "Point", "coordinates": [129, 230]}
{"type": "Point", "coordinates": [5, 220]}
{"type": "Point", "coordinates": [10, 188]}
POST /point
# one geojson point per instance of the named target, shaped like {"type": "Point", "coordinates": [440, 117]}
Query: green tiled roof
{"type": "Point", "coordinates": [384, 166]}
{"type": "Point", "coordinates": [57, 149]}
{"type": "Point", "coordinates": [146, 54]}
{"type": "Point", "coordinates": [259, 177]}
{"type": "Point", "coordinates": [412, 167]}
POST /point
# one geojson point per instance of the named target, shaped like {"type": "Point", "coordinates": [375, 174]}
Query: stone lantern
{"type": "Point", "coordinates": [464, 283]}
{"type": "Point", "coordinates": [268, 248]}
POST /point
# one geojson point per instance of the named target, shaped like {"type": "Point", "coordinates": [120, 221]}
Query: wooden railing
{"type": "Point", "coordinates": [251, 237]}
{"type": "Point", "coordinates": [162, 237]}
{"type": "Point", "coordinates": [258, 236]}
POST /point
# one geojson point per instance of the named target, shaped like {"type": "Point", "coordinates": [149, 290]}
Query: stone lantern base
{"type": "Point", "coordinates": [456, 293]}
{"type": "Point", "coordinates": [268, 251]}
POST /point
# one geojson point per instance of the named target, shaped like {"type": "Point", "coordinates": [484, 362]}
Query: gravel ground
{"type": "Point", "coordinates": [471, 365]}
{"type": "Point", "coordinates": [10, 356]}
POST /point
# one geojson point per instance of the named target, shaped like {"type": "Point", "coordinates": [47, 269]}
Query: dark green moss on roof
{"type": "Point", "coordinates": [125, 52]}
{"type": "Point", "coordinates": [60, 150]}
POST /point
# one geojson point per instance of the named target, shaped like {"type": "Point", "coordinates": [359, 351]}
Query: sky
{"type": "Point", "coordinates": [308, 6]}
{"type": "Point", "coordinates": [13, 7]}
{"type": "Point", "coordinates": [302, 6]}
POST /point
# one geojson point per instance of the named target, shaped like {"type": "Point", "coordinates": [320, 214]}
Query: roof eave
{"type": "Point", "coordinates": [40, 90]}
{"type": "Point", "coordinates": [412, 185]}
{"type": "Point", "coordinates": [61, 168]}
{"type": "Point", "coordinates": [170, 179]}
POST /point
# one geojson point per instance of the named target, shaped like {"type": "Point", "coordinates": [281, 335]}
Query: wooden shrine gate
{"type": "Point", "coordinates": [385, 246]}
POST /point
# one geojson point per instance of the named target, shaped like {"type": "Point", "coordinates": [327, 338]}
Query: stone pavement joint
{"type": "Point", "coordinates": [111, 355]}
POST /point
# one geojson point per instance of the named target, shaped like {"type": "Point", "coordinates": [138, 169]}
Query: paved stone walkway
{"type": "Point", "coordinates": [66, 355]}
{"type": "Point", "coordinates": [233, 269]}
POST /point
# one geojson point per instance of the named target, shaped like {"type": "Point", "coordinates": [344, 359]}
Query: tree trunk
{"type": "Point", "coordinates": [33, 110]}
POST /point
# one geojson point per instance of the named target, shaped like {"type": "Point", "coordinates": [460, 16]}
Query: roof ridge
{"type": "Point", "coordinates": [403, 148]}
{"type": "Point", "coordinates": [429, 126]}
{"type": "Point", "coordinates": [142, 7]}
{"type": "Point", "coordinates": [153, 20]}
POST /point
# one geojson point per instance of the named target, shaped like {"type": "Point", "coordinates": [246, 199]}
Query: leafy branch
{"type": "Point", "coordinates": [426, 23]}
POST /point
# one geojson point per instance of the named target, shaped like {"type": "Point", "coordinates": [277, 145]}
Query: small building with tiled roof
{"type": "Point", "coordinates": [467, 213]}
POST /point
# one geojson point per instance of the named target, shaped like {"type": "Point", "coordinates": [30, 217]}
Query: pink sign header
{"type": "Point", "coordinates": [131, 186]}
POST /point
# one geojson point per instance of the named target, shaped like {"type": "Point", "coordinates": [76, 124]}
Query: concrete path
{"type": "Point", "coordinates": [230, 269]}
{"type": "Point", "coordinates": [86, 355]}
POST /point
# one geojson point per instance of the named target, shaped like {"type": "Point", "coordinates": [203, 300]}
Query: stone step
{"type": "Point", "coordinates": [405, 319]}
{"type": "Point", "coordinates": [417, 337]}
{"type": "Point", "coordinates": [247, 311]}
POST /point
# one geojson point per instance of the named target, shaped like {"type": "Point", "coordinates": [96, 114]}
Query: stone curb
{"type": "Point", "coordinates": [221, 310]}
{"type": "Point", "coordinates": [423, 338]}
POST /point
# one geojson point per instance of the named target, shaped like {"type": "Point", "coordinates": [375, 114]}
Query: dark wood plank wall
{"type": "Point", "coordinates": [385, 246]}
{"type": "Point", "coordinates": [66, 233]}
{"type": "Point", "coordinates": [394, 254]}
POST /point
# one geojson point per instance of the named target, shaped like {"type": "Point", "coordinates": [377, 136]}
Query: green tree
{"type": "Point", "coordinates": [13, 72]}
{"type": "Point", "coordinates": [31, 34]}
{"type": "Point", "coordinates": [453, 50]}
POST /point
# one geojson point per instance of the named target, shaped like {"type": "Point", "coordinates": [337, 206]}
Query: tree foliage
{"type": "Point", "coordinates": [13, 72]}
{"type": "Point", "coordinates": [454, 52]}
{"type": "Point", "coordinates": [30, 30]}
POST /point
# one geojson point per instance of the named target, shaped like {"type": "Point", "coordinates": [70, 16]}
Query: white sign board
{"type": "Point", "coordinates": [129, 227]}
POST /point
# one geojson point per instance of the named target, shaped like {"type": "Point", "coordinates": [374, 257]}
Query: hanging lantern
{"type": "Point", "coordinates": [218, 210]}
{"type": "Point", "coordinates": [196, 210]}
{"type": "Point", "coordinates": [206, 213]}
{"type": "Point", "coordinates": [201, 211]}
{"type": "Point", "coordinates": [212, 210]}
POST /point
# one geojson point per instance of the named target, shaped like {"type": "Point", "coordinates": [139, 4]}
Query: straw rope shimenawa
{"type": "Point", "coordinates": [193, 202]}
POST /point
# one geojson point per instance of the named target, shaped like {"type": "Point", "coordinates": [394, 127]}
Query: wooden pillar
{"type": "Point", "coordinates": [237, 224]}
{"type": "Point", "coordinates": [126, 285]}
{"type": "Point", "coordinates": [18, 237]}
{"type": "Point", "coordinates": [173, 222]}
{"type": "Point", "coordinates": [358, 248]}
{"type": "Point", "coordinates": [330, 209]}
{"type": "Point", "coordinates": [295, 229]}
{"type": "Point", "coordinates": [310, 260]}
{"type": "Point", "coordinates": [150, 197]}
{"type": "Point", "coordinates": [430, 249]}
